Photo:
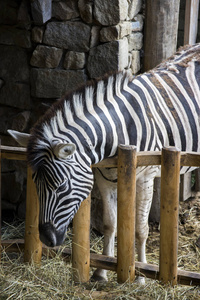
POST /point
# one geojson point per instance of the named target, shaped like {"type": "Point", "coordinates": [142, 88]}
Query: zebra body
{"type": "Point", "coordinates": [156, 109]}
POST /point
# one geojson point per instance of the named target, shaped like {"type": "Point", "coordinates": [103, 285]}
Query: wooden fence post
{"type": "Point", "coordinates": [127, 161]}
{"type": "Point", "coordinates": [0, 199]}
{"type": "Point", "coordinates": [33, 245]}
{"type": "Point", "coordinates": [81, 242]}
{"type": "Point", "coordinates": [169, 208]}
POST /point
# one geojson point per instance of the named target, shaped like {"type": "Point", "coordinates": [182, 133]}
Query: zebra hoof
{"type": "Point", "coordinates": [98, 278]}
{"type": "Point", "coordinates": [140, 280]}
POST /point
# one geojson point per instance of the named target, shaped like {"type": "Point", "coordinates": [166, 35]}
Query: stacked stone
{"type": "Point", "coordinates": [84, 39]}
{"type": "Point", "coordinates": [50, 47]}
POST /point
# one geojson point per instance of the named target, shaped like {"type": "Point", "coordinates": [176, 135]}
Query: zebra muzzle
{"type": "Point", "coordinates": [50, 236]}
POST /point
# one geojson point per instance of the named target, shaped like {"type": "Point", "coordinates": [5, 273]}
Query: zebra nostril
{"type": "Point", "coordinates": [50, 236]}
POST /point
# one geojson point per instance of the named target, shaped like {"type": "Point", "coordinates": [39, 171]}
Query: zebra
{"type": "Point", "coordinates": [155, 109]}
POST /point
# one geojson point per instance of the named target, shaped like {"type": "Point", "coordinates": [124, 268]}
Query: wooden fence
{"type": "Point", "coordinates": [128, 160]}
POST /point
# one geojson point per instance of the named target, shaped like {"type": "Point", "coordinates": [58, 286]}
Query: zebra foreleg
{"type": "Point", "coordinates": [108, 190]}
{"type": "Point", "coordinates": [144, 194]}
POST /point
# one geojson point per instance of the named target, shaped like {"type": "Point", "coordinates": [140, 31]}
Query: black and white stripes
{"type": "Point", "coordinates": [156, 109]}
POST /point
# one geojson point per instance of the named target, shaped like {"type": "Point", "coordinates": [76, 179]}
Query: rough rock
{"type": "Point", "coordinates": [15, 94]}
{"type": "Point", "coordinates": [23, 16]}
{"type": "Point", "coordinates": [37, 34]}
{"type": "Point", "coordinates": [20, 121]}
{"type": "Point", "coordinates": [46, 57]}
{"type": "Point", "coordinates": [135, 61]}
{"type": "Point", "coordinates": [134, 8]}
{"type": "Point", "coordinates": [12, 118]}
{"type": "Point", "coordinates": [106, 15]}
{"type": "Point", "coordinates": [116, 32]}
{"type": "Point", "coordinates": [10, 35]}
{"type": "Point", "coordinates": [41, 10]}
{"type": "Point", "coordinates": [85, 8]}
{"type": "Point", "coordinates": [74, 60]}
{"type": "Point", "coordinates": [1, 83]}
{"type": "Point", "coordinates": [65, 10]}
{"type": "Point", "coordinates": [8, 12]}
{"type": "Point", "coordinates": [95, 36]}
{"type": "Point", "coordinates": [137, 24]}
{"type": "Point", "coordinates": [52, 83]}
{"type": "Point", "coordinates": [107, 58]}
{"type": "Point", "coordinates": [135, 41]}
{"type": "Point", "coordinates": [14, 64]}
{"type": "Point", "coordinates": [73, 36]}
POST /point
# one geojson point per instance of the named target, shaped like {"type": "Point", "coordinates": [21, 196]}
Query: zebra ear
{"type": "Point", "coordinates": [63, 151]}
{"type": "Point", "coordinates": [20, 137]}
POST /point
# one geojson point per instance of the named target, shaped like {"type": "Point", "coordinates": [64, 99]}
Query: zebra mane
{"type": "Point", "coordinates": [72, 105]}
{"type": "Point", "coordinates": [181, 58]}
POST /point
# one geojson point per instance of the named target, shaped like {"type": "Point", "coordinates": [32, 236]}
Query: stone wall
{"type": "Point", "coordinates": [49, 47]}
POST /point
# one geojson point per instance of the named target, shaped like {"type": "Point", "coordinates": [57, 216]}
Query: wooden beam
{"type": "Point", "coordinates": [161, 28]}
{"type": "Point", "coordinates": [33, 245]}
{"type": "Point", "coordinates": [169, 203]}
{"type": "Point", "coordinates": [0, 199]}
{"type": "Point", "coordinates": [81, 242]}
{"type": "Point", "coordinates": [191, 21]}
{"type": "Point", "coordinates": [144, 158]}
{"type": "Point", "coordinates": [126, 210]}
{"type": "Point", "coordinates": [107, 262]}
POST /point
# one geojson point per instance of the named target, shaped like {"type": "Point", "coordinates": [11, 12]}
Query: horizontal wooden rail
{"type": "Point", "coordinates": [106, 262]}
{"type": "Point", "coordinates": [144, 158]}
{"type": "Point", "coordinates": [102, 261]}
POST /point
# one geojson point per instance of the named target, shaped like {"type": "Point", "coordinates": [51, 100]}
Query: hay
{"type": "Point", "coordinates": [53, 279]}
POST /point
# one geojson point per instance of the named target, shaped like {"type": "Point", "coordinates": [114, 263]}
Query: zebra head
{"type": "Point", "coordinates": [62, 183]}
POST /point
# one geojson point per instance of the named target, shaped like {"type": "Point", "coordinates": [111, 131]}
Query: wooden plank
{"type": "Point", "coordinates": [144, 158]}
{"type": "Point", "coordinates": [33, 245]}
{"type": "Point", "coordinates": [161, 29]}
{"type": "Point", "coordinates": [169, 203]}
{"type": "Point", "coordinates": [81, 242]}
{"type": "Point", "coordinates": [191, 159]}
{"type": "Point", "coordinates": [7, 149]}
{"type": "Point", "coordinates": [185, 186]}
{"type": "Point", "coordinates": [16, 153]}
{"type": "Point", "coordinates": [0, 199]}
{"type": "Point", "coordinates": [126, 210]}
{"type": "Point", "coordinates": [107, 263]}
{"type": "Point", "coordinates": [14, 156]}
{"type": "Point", "coordinates": [191, 21]}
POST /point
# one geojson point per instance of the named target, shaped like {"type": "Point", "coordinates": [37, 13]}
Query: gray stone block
{"type": "Point", "coordinates": [37, 34]}
{"type": "Point", "coordinates": [110, 12]}
{"type": "Point", "coordinates": [116, 32]}
{"type": "Point", "coordinates": [137, 23]}
{"type": "Point", "coordinates": [15, 94]}
{"type": "Point", "coordinates": [134, 8]}
{"type": "Point", "coordinates": [46, 57]}
{"type": "Point", "coordinates": [73, 36]}
{"type": "Point", "coordinates": [135, 61]}
{"type": "Point", "coordinates": [50, 83]}
{"type": "Point", "coordinates": [65, 10]}
{"type": "Point", "coordinates": [109, 57]}
{"type": "Point", "coordinates": [85, 8]}
{"type": "Point", "coordinates": [14, 64]}
{"type": "Point", "coordinates": [41, 10]}
{"type": "Point", "coordinates": [74, 60]}
{"type": "Point", "coordinates": [10, 35]}
{"type": "Point", "coordinates": [135, 41]}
